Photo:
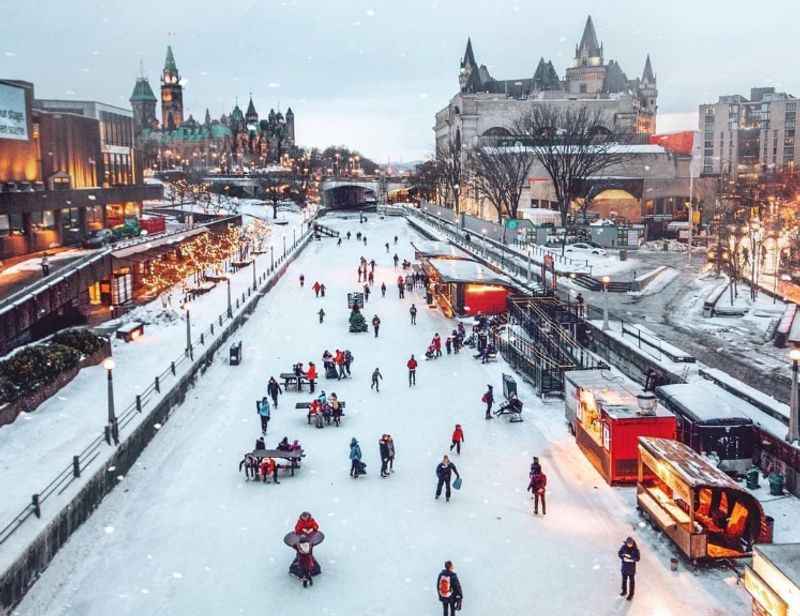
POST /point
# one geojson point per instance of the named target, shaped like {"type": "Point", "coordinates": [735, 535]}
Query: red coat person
{"type": "Point", "coordinates": [412, 364]}
{"type": "Point", "coordinates": [306, 524]}
{"type": "Point", "coordinates": [458, 434]}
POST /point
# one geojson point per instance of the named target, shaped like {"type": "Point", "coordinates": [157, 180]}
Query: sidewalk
{"type": "Point", "coordinates": [19, 272]}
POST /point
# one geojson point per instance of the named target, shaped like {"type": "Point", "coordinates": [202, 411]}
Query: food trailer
{"type": "Point", "coordinates": [711, 419]}
{"type": "Point", "coordinates": [608, 413]}
{"type": "Point", "coordinates": [773, 580]}
{"type": "Point", "coordinates": [466, 288]}
{"type": "Point", "coordinates": [705, 513]}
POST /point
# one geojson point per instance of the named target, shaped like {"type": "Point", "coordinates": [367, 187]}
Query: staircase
{"type": "Point", "coordinates": [323, 230]}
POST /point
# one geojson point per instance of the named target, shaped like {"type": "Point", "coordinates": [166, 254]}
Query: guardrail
{"type": "Point", "coordinates": [110, 434]}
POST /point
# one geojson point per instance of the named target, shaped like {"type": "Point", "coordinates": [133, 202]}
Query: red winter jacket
{"type": "Point", "coordinates": [339, 358]}
{"type": "Point", "coordinates": [412, 364]}
{"type": "Point", "coordinates": [538, 483]}
{"type": "Point", "coordinates": [311, 375]}
{"type": "Point", "coordinates": [306, 526]}
{"type": "Point", "coordinates": [437, 343]}
{"type": "Point", "coordinates": [458, 435]}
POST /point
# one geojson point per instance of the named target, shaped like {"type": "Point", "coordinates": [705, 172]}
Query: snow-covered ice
{"type": "Point", "coordinates": [191, 536]}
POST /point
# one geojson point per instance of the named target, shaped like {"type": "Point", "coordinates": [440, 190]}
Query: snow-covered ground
{"type": "Point", "coordinates": [186, 534]}
{"type": "Point", "coordinates": [38, 445]}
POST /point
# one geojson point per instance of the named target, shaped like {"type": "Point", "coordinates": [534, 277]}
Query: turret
{"type": "Point", "coordinates": [589, 52]}
{"type": "Point", "coordinates": [171, 93]}
{"type": "Point", "coordinates": [143, 102]}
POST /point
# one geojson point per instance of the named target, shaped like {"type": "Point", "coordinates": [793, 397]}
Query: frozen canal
{"type": "Point", "coordinates": [185, 534]}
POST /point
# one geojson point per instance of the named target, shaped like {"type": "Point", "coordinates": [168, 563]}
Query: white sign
{"type": "Point", "coordinates": [13, 118]}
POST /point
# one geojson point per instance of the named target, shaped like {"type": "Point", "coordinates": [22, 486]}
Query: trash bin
{"type": "Point", "coordinates": [751, 477]}
{"type": "Point", "coordinates": [769, 523]}
{"type": "Point", "coordinates": [775, 484]}
{"type": "Point", "coordinates": [235, 357]}
{"type": "Point", "coordinates": [623, 255]}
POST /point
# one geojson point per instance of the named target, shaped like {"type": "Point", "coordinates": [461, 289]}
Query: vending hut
{"type": "Point", "coordinates": [608, 413]}
{"type": "Point", "coordinates": [466, 288]}
{"type": "Point", "coordinates": [425, 249]}
{"type": "Point", "coordinates": [698, 506]}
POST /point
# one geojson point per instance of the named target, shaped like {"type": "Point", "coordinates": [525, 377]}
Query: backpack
{"type": "Point", "coordinates": [444, 586]}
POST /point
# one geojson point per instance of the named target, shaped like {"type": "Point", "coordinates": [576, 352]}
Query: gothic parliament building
{"type": "Point", "coordinates": [231, 142]}
{"type": "Point", "coordinates": [484, 107]}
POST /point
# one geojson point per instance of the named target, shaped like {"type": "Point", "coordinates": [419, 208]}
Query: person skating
{"type": "Point", "coordinates": [371, 278]}
{"type": "Point", "coordinates": [457, 439]}
{"type": "Point", "coordinates": [311, 375]}
{"type": "Point", "coordinates": [322, 290]}
{"type": "Point", "coordinates": [376, 324]}
{"type": "Point", "coordinates": [365, 240]}
{"type": "Point", "coordinates": [383, 447]}
{"type": "Point", "coordinates": [348, 359]}
{"type": "Point", "coordinates": [355, 458]}
{"type": "Point", "coordinates": [262, 408]}
{"type": "Point", "coordinates": [412, 371]}
{"type": "Point", "coordinates": [448, 589]}
{"type": "Point", "coordinates": [366, 293]}
{"type": "Point", "coordinates": [372, 265]}
{"type": "Point", "coordinates": [339, 243]}
{"type": "Point", "coordinates": [321, 314]}
{"type": "Point", "coordinates": [376, 377]}
{"type": "Point", "coordinates": [400, 287]}
{"type": "Point", "coordinates": [536, 467]}
{"type": "Point", "coordinates": [488, 400]}
{"type": "Point", "coordinates": [273, 389]}
{"type": "Point", "coordinates": [383, 289]}
{"type": "Point", "coordinates": [390, 443]}
{"type": "Point", "coordinates": [437, 344]}
{"type": "Point", "coordinates": [628, 556]}
{"type": "Point", "coordinates": [339, 361]}
{"type": "Point", "coordinates": [302, 280]}
{"type": "Point", "coordinates": [396, 260]}
{"type": "Point", "coordinates": [387, 248]}
{"type": "Point", "coordinates": [250, 465]}
{"type": "Point", "coordinates": [448, 344]}
{"type": "Point", "coordinates": [395, 240]}
{"type": "Point", "coordinates": [359, 273]}
{"type": "Point", "coordinates": [444, 472]}
{"type": "Point", "coordinates": [413, 312]}
{"type": "Point", "coordinates": [348, 235]}
{"type": "Point", "coordinates": [316, 288]}
{"type": "Point", "coordinates": [536, 487]}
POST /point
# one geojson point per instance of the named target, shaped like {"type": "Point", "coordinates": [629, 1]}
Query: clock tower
{"type": "Point", "coordinates": [171, 94]}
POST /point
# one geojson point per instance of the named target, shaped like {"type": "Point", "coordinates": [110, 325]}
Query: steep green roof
{"type": "Point", "coordinates": [142, 91]}
{"type": "Point", "coordinates": [169, 63]}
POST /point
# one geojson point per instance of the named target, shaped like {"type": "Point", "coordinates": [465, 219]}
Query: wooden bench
{"type": "Point", "coordinates": [292, 381]}
{"type": "Point", "coordinates": [293, 457]}
{"type": "Point", "coordinates": [306, 406]}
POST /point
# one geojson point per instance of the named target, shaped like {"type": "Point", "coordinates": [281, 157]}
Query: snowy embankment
{"type": "Point", "coordinates": [187, 534]}
{"type": "Point", "coordinates": [38, 445]}
{"type": "Point", "coordinates": [657, 284]}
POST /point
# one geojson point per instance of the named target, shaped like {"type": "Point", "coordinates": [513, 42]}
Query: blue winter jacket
{"type": "Point", "coordinates": [355, 452]}
{"type": "Point", "coordinates": [263, 408]}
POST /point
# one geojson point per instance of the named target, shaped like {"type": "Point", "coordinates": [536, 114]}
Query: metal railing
{"type": "Point", "coordinates": [110, 434]}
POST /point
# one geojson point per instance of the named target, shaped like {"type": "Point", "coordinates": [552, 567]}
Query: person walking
{"type": "Point", "coordinates": [413, 312]}
{"type": "Point", "coordinates": [376, 324]}
{"type": "Point", "coordinates": [339, 360]}
{"type": "Point", "coordinates": [316, 288]}
{"type": "Point", "coordinates": [311, 375]}
{"type": "Point", "coordinates": [321, 314]}
{"type": "Point", "coordinates": [457, 439]}
{"type": "Point", "coordinates": [45, 265]}
{"type": "Point", "coordinates": [322, 290]}
{"type": "Point", "coordinates": [376, 375]}
{"type": "Point", "coordinates": [448, 589]}
{"type": "Point", "coordinates": [536, 487]}
{"type": "Point", "coordinates": [273, 389]}
{"type": "Point", "coordinates": [302, 280]}
{"type": "Point", "coordinates": [366, 293]}
{"type": "Point", "coordinates": [628, 556]}
{"type": "Point", "coordinates": [262, 408]}
{"type": "Point", "coordinates": [387, 248]}
{"type": "Point", "coordinates": [396, 260]}
{"type": "Point", "coordinates": [444, 472]}
{"type": "Point", "coordinates": [488, 400]}
{"type": "Point", "coordinates": [383, 289]}
{"type": "Point", "coordinates": [579, 301]}
{"type": "Point", "coordinates": [371, 278]}
{"type": "Point", "coordinates": [390, 442]}
{"type": "Point", "coordinates": [401, 287]}
{"type": "Point", "coordinates": [355, 458]}
{"type": "Point", "coordinates": [383, 447]}
{"type": "Point", "coordinates": [412, 371]}
{"type": "Point", "coordinates": [437, 344]}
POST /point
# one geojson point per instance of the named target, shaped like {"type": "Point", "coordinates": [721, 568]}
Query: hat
{"type": "Point", "coordinates": [490, 387]}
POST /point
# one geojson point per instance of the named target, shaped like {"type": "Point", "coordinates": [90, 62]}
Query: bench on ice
{"type": "Point", "coordinates": [327, 418]}
{"type": "Point", "coordinates": [292, 381]}
{"type": "Point", "coordinates": [293, 457]}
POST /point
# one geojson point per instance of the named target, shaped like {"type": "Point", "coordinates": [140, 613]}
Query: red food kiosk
{"type": "Point", "coordinates": [466, 288]}
{"type": "Point", "coordinates": [608, 413]}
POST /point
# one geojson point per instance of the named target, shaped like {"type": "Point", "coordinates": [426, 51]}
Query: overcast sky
{"type": "Point", "coordinates": [371, 73]}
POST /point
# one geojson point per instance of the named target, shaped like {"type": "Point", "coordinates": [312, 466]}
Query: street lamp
{"type": "Point", "coordinates": [189, 349]}
{"type": "Point", "coordinates": [606, 280]}
{"type": "Point", "coordinates": [284, 244]}
{"type": "Point", "coordinates": [230, 308]}
{"type": "Point", "coordinates": [271, 258]}
{"type": "Point", "coordinates": [108, 364]}
{"type": "Point", "coordinates": [794, 429]}
{"type": "Point", "coordinates": [255, 284]}
{"type": "Point", "coordinates": [456, 188]}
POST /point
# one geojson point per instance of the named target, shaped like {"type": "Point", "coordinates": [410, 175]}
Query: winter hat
{"type": "Point", "coordinates": [490, 387]}
{"type": "Point", "coordinates": [353, 441]}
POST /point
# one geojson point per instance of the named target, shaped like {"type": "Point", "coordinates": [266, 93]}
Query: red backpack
{"type": "Point", "coordinates": [444, 586]}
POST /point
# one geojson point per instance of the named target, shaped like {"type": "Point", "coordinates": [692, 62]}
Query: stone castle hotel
{"type": "Point", "coordinates": [484, 106]}
{"type": "Point", "coordinates": [233, 141]}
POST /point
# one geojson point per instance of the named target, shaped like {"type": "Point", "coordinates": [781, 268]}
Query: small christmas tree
{"type": "Point", "coordinates": [357, 321]}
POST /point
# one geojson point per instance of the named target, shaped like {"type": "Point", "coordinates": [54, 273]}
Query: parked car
{"type": "Point", "coordinates": [98, 238]}
{"type": "Point", "coordinates": [584, 247]}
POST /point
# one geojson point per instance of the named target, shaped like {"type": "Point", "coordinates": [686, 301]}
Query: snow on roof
{"type": "Point", "coordinates": [161, 242]}
{"type": "Point", "coordinates": [617, 394]}
{"type": "Point", "coordinates": [690, 466]}
{"type": "Point", "coordinates": [467, 271]}
{"type": "Point", "coordinates": [428, 248]}
{"type": "Point", "coordinates": [775, 406]}
{"type": "Point", "coordinates": [708, 402]}
{"type": "Point", "coordinates": [784, 556]}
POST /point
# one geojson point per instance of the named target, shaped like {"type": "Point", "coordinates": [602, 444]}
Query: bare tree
{"type": "Point", "coordinates": [499, 174]}
{"type": "Point", "coordinates": [572, 144]}
{"type": "Point", "coordinates": [448, 168]}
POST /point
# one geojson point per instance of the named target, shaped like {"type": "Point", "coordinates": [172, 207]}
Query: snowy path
{"type": "Point", "coordinates": [187, 535]}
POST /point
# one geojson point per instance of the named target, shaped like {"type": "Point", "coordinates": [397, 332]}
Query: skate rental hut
{"type": "Point", "coordinates": [608, 413]}
{"type": "Point", "coordinates": [466, 288]}
{"type": "Point", "coordinates": [705, 513]}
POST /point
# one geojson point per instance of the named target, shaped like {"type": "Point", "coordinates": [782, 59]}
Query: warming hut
{"type": "Point", "coordinates": [698, 506]}
{"type": "Point", "coordinates": [713, 420]}
{"type": "Point", "coordinates": [466, 288]}
{"type": "Point", "coordinates": [773, 580]}
{"type": "Point", "coordinates": [429, 249]}
{"type": "Point", "coordinates": [608, 413]}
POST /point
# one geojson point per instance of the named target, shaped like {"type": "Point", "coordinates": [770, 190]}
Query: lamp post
{"type": "Point", "coordinates": [456, 188]}
{"type": "Point", "coordinates": [230, 308]}
{"type": "Point", "coordinates": [794, 428]}
{"type": "Point", "coordinates": [189, 349]}
{"type": "Point", "coordinates": [108, 364]}
{"type": "Point", "coordinates": [294, 238]}
{"type": "Point", "coordinates": [606, 280]}
{"type": "Point", "coordinates": [284, 244]}
{"type": "Point", "coordinates": [271, 258]}
{"type": "Point", "coordinates": [255, 284]}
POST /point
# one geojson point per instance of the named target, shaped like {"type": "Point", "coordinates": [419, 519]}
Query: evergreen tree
{"type": "Point", "coordinates": [357, 321]}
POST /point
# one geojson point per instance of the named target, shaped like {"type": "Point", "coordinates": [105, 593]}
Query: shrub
{"type": "Point", "coordinates": [36, 366]}
{"type": "Point", "coordinates": [81, 339]}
